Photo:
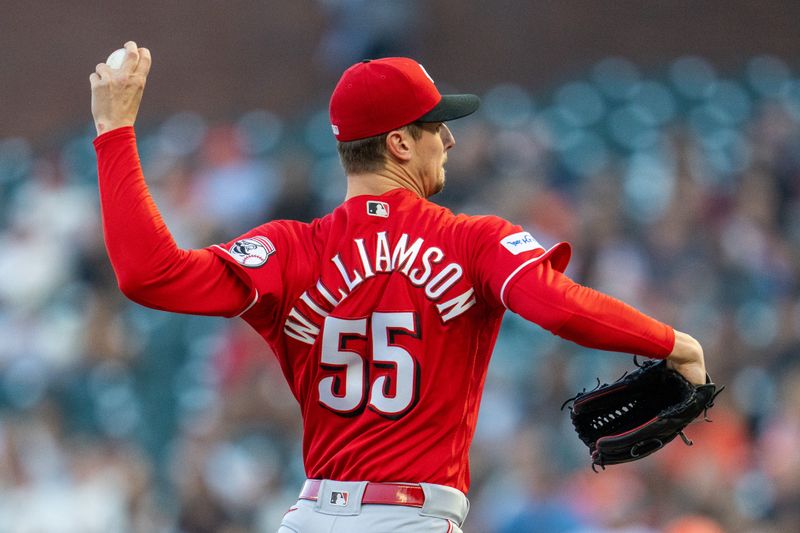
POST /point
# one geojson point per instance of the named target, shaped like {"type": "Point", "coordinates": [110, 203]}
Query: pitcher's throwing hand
{"type": "Point", "coordinates": [116, 93]}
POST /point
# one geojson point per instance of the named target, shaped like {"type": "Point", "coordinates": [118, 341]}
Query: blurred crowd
{"type": "Point", "coordinates": [679, 189]}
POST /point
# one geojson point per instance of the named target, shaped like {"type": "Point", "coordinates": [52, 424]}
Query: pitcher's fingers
{"type": "Point", "coordinates": [103, 70]}
{"type": "Point", "coordinates": [131, 57]}
{"type": "Point", "coordinates": [145, 60]}
{"type": "Point", "coordinates": [94, 78]}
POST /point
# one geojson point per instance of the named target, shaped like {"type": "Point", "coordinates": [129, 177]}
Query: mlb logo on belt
{"type": "Point", "coordinates": [378, 209]}
{"type": "Point", "coordinates": [339, 498]}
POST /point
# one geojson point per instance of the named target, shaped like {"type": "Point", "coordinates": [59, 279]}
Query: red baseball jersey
{"type": "Point", "coordinates": [383, 315]}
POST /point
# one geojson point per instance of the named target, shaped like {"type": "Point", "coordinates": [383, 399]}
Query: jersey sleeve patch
{"type": "Point", "coordinates": [520, 242]}
{"type": "Point", "coordinates": [252, 252]}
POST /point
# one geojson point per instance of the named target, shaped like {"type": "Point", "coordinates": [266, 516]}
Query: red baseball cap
{"type": "Point", "coordinates": [380, 95]}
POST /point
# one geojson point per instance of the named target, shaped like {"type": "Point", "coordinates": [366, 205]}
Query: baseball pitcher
{"type": "Point", "coordinates": [383, 314]}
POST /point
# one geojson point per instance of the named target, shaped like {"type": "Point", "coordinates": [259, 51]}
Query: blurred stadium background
{"type": "Point", "coordinates": [661, 138]}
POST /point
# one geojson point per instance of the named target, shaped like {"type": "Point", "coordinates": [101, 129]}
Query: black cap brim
{"type": "Point", "coordinates": [451, 107]}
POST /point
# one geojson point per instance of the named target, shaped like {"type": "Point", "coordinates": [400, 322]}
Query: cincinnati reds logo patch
{"type": "Point", "coordinates": [252, 252]}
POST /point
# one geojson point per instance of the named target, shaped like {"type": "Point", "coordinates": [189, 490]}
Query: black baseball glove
{"type": "Point", "coordinates": [639, 413]}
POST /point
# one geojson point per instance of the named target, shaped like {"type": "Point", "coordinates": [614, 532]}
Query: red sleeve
{"type": "Point", "coordinates": [499, 252]}
{"type": "Point", "coordinates": [587, 317]}
{"type": "Point", "coordinates": [150, 268]}
{"type": "Point", "coordinates": [264, 257]}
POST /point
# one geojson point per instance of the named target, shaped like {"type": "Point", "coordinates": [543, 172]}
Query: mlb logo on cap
{"type": "Point", "coordinates": [378, 209]}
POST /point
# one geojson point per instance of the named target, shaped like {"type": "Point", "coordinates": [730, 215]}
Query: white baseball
{"type": "Point", "coordinates": [115, 59]}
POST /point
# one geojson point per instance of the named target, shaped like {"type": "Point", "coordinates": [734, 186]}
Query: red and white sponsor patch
{"type": "Point", "coordinates": [252, 252]}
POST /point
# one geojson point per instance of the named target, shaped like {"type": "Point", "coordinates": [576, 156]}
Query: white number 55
{"type": "Point", "coordinates": [348, 398]}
